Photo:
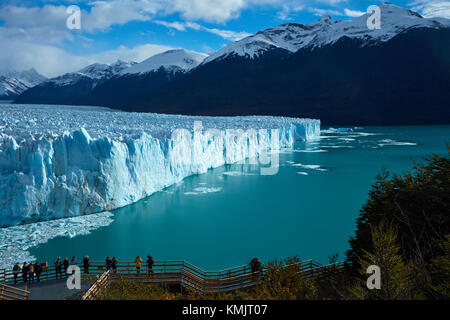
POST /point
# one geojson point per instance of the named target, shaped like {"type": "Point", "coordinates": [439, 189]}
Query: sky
{"type": "Point", "coordinates": [34, 33]}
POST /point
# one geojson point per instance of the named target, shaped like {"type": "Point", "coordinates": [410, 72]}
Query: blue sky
{"type": "Point", "coordinates": [34, 33]}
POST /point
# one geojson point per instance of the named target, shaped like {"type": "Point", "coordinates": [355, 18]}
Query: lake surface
{"type": "Point", "coordinates": [230, 214]}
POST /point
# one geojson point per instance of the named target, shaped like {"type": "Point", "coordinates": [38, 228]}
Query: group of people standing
{"type": "Point", "coordinates": [150, 262]}
{"type": "Point", "coordinates": [64, 264]}
{"type": "Point", "coordinates": [28, 271]}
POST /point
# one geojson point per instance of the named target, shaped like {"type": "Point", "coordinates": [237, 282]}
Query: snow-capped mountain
{"type": "Point", "coordinates": [118, 83]}
{"type": "Point", "coordinates": [177, 59]}
{"type": "Point", "coordinates": [293, 37]}
{"type": "Point", "coordinates": [338, 71]}
{"type": "Point", "coordinates": [96, 72]}
{"type": "Point", "coordinates": [13, 83]}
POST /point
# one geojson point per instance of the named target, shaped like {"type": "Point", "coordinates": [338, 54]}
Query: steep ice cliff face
{"type": "Point", "coordinates": [58, 162]}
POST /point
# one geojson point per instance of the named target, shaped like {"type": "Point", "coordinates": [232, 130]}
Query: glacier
{"type": "Point", "coordinates": [66, 161]}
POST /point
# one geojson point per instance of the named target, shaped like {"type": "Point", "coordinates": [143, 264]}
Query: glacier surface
{"type": "Point", "coordinates": [59, 162]}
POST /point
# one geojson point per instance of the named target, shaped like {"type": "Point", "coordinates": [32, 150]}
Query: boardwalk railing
{"type": "Point", "coordinates": [13, 293]}
{"type": "Point", "coordinates": [184, 274]}
{"type": "Point", "coordinates": [97, 288]}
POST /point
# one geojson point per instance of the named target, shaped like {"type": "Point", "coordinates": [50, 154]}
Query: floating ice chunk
{"type": "Point", "coordinates": [17, 240]}
{"type": "Point", "coordinates": [390, 142]}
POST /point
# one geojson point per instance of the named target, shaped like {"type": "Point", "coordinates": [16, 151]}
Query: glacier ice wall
{"type": "Point", "coordinates": [57, 163]}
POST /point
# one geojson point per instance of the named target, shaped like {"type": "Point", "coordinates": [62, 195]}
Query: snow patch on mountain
{"type": "Point", "coordinates": [95, 71]}
{"type": "Point", "coordinates": [292, 36]}
{"type": "Point", "coordinates": [13, 83]}
{"type": "Point", "coordinates": [172, 60]}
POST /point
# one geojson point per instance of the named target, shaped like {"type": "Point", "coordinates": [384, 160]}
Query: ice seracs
{"type": "Point", "coordinates": [292, 36]}
{"type": "Point", "coordinates": [177, 59]}
{"type": "Point", "coordinates": [58, 162]}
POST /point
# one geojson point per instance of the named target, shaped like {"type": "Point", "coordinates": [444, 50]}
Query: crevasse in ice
{"type": "Point", "coordinates": [58, 162]}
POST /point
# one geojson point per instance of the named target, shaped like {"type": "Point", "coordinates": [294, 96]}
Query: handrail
{"type": "Point", "coordinates": [13, 293]}
{"type": "Point", "coordinates": [97, 287]}
{"type": "Point", "coordinates": [185, 274]}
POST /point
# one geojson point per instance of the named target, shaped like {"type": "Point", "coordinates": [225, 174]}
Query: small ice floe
{"type": "Point", "coordinates": [303, 173]}
{"type": "Point", "coordinates": [316, 167]}
{"type": "Point", "coordinates": [203, 190]}
{"type": "Point", "coordinates": [311, 151]}
{"type": "Point", "coordinates": [237, 173]}
{"type": "Point", "coordinates": [390, 142]}
{"type": "Point", "coordinates": [338, 147]}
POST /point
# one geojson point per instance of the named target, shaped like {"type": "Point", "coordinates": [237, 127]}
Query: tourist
{"type": "Point", "coordinates": [86, 264]}
{"type": "Point", "coordinates": [58, 267]}
{"type": "Point", "coordinates": [30, 273]}
{"type": "Point", "coordinates": [150, 263]}
{"type": "Point", "coordinates": [108, 263]}
{"type": "Point", "coordinates": [138, 262]}
{"type": "Point", "coordinates": [73, 262]}
{"type": "Point", "coordinates": [114, 264]}
{"type": "Point", "coordinates": [38, 271]}
{"type": "Point", "coordinates": [255, 265]}
{"type": "Point", "coordinates": [16, 270]}
{"type": "Point", "coordinates": [25, 272]}
{"type": "Point", "coordinates": [65, 265]}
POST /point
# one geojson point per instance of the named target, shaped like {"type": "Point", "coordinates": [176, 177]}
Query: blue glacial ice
{"type": "Point", "coordinates": [59, 162]}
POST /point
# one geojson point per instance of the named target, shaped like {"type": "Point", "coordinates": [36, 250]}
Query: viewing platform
{"type": "Point", "coordinates": [182, 273]}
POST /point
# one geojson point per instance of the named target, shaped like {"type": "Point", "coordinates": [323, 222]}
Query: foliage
{"type": "Point", "coordinates": [132, 290]}
{"type": "Point", "coordinates": [441, 271]}
{"type": "Point", "coordinates": [397, 279]}
{"type": "Point", "coordinates": [418, 204]}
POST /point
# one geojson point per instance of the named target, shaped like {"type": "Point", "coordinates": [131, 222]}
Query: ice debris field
{"type": "Point", "coordinates": [66, 161]}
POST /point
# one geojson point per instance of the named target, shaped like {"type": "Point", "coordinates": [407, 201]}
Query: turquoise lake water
{"type": "Point", "coordinates": [228, 215]}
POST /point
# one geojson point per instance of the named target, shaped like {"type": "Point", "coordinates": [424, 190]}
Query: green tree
{"type": "Point", "coordinates": [418, 205]}
{"type": "Point", "coordinates": [397, 278]}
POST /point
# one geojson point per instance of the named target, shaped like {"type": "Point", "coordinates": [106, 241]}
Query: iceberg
{"type": "Point", "coordinates": [67, 161]}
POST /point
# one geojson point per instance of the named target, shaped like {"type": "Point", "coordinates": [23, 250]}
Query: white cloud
{"type": "Point", "coordinates": [183, 26]}
{"type": "Point", "coordinates": [432, 8]}
{"type": "Point", "coordinates": [322, 12]}
{"type": "Point", "coordinates": [52, 61]}
{"type": "Point", "coordinates": [332, 2]}
{"type": "Point", "coordinates": [207, 10]}
{"type": "Point", "coordinates": [353, 13]}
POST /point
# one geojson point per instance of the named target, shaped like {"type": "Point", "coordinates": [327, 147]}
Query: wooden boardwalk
{"type": "Point", "coordinates": [181, 273]}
